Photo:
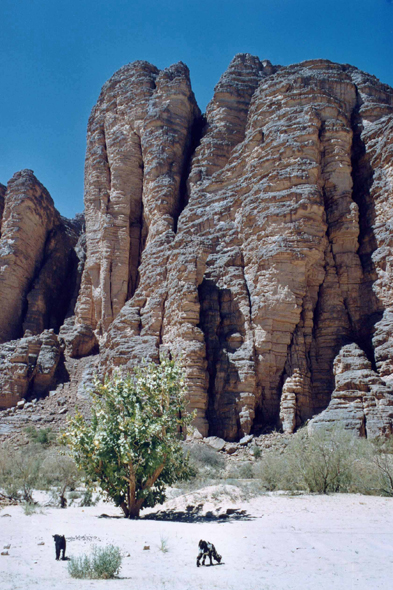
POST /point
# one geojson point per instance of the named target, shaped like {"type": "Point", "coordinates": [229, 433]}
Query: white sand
{"type": "Point", "coordinates": [303, 542]}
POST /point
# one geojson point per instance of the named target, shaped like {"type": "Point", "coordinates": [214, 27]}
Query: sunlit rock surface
{"type": "Point", "coordinates": [254, 242]}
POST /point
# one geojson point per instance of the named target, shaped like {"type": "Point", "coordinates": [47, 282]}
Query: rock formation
{"type": "Point", "coordinates": [253, 241]}
{"type": "Point", "coordinates": [28, 365]}
{"type": "Point", "coordinates": [361, 400]}
{"type": "Point", "coordinates": [37, 258]}
{"type": "Point", "coordinates": [38, 286]}
{"type": "Point", "coordinates": [269, 258]}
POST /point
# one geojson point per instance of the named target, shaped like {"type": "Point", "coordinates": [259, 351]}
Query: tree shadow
{"type": "Point", "coordinates": [195, 514]}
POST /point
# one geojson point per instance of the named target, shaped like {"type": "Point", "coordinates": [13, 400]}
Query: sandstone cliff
{"type": "Point", "coordinates": [254, 241]}
{"type": "Point", "coordinates": [38, 278]}
{"type": "Point", "coordinates": [273, 254]}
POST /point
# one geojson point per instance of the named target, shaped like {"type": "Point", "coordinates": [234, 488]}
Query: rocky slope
{"type": "Point", "coordinates": [254, 241]}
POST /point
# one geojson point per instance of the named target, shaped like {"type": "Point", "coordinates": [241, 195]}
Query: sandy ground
{"type": "Point", "coordinates": [284, 542]}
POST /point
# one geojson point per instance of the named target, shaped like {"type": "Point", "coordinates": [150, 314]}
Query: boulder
{"type": "Point", "coordinates": [215, 442]}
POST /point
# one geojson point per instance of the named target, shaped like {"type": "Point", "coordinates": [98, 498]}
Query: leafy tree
{"type": "Point", "coordinates": [132, 447]}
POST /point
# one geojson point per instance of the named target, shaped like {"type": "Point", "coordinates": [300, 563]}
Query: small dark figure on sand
{"type": "Point", "coordinates": [207, 549]}
{"type": "Point", "coordinates": [60, 543]}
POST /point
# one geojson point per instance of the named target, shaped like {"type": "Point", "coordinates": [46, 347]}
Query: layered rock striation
{"type": "Point", "coordinates": [38, 286]}
{"type": "Point", "coordinates": [28, 365]}
{"type": "Point", "coordinates": [257, 259]}
{"type": "Point", "coordinates": [361, 401]}
{"type": "Point", "coordinates": [254, 241]}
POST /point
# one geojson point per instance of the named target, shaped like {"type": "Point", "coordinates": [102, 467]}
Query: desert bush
{"type": "Point", "coordinates": [60, 473]}
{"type": "Point", "coordinates": [87, 498]}
{"type": "Point", "coordinates": [80, 567]}
{"type": "Point", "coordinates": [322, 462]}
{"type": "Point", "coordinates": [272, 470]}
{"type": "Point", "coordinates": [43, 436]}
{"type": "Point", "coordinates": [324, 459]}
{"type": "Point", "coordinates": [104, 563]}
{"type": "Point", "coordinates": [20, 472]}
{"type": "Point", "coordinates": [203, 456]}
{"type": "Point", "coordinates": [383, 461]}
{"type": "Point", "coordinates": [375, 475]}
{"type": "Point", "coordinates": [256, 451]}
{"type": "Point", "coordinates": [243, 470]}
{"type": "Point", "coordinates": [163, 545]}
{"type": "Point", "coordinates": [36, 467]}
{"type": "Point", "coordinates": [29, 509]}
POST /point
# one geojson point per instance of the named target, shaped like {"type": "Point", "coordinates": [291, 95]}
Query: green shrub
{"type": "Point", "coordinates": [256, 451]}
{"type": "Point", "coordinates": [379, 479]}
{"type": "Point", "coordinates": [163, 545]}
{"type": "Point", "coordinates": [35, 467]}
{"type": "Point", "coordinates": [29, 509]}
{"type": "Point", "coordinates": [322, 462]}
{"type": "Point", "coordinates": [80, 567]}
{"type": "Point", "coordinates": [324, 459]}
{"type": "Point", "coordinates": [203, 457]}
{"type": "Point", "coordinates": [246, 471]}
{"type": "Point", "coordinates": [59, 472]}
{"type": "Point", "coordinates": [88, 500]}
{"type": "Point", "coordinates": [104, 564]}
{"type": "Point", "coordinates": [243, 470]}
{"type": "Point", "coordinates": [271, 471]}
{"type": "Point", "coordinates": [20, 471]}
{"type": "Point", "coordinates": [43, 436]}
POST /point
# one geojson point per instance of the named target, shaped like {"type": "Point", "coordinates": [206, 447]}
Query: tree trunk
{"type": "Point", "coordinates": [131, 506]}
{"type": "Point", "coordinates": [133, 509]}
{"type": "Point", "coordinates": [124, 507]}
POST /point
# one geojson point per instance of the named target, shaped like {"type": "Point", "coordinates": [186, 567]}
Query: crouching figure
{"type": "Point", "coordinates": [207, 549]}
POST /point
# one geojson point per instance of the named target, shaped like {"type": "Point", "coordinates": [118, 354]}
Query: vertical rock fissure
{"type": "Point", "coordinates": [258, 422]}
{"type": "Point", "coordinates": [2, 196]}
{"type": "Point", "coordinates": [163, 307]}
{"type": "Point", "coordinates": [363, 178]}
{"type": "Point", "coordinates": [328, 202]}
{"type": "Point", "coordinates": [137, 237]}
{"type": "Point", "coordinates": [196, 134]}
{"type": "Point", "coordinates": [108, 170]}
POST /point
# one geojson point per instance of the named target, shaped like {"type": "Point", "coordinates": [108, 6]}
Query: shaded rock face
{"type": "Point", "coordinates": [39, 263]}
{"type": "Point", "coordinates": [257, 256]}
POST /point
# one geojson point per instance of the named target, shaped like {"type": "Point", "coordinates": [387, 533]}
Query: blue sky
{"type": "Point", "coordinates": [56, 54]}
